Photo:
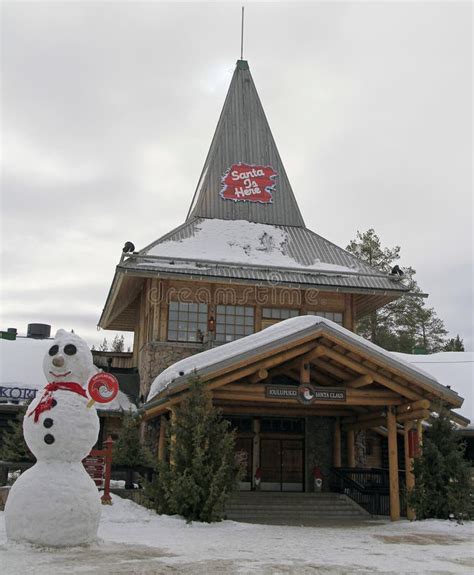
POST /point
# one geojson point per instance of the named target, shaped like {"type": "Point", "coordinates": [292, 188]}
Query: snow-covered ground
{"type": "Point", "coordinates": [135, 540]}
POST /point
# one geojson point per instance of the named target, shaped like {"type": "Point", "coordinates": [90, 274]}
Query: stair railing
{"type": "Point", "coordinates": [369, 488]}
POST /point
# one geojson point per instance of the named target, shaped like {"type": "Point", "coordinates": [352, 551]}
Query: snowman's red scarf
{"type": "Point", "coordinates": [46, 402]}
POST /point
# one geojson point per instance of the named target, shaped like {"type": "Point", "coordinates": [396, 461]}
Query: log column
{"type": "Point", "coordinates": [256, 449]}
{"type": "Point", "coordinates": [337, 443]}
{"type": "Point", "coordinates": [419, 428]}
{"type": "Point", "coordinates": [409, 477]}
{"type": "Point", "coordinates": [162, 439]}
{"type": "Point", "coordinates": [393, 465]}
{"type": "Point", "coordinates": [351, 460]}
{"type": "Point", "coordinates": [173, 437]}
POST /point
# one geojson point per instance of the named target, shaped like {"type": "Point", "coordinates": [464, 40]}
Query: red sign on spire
{"type": "Point", "coordinates": [248, 183]}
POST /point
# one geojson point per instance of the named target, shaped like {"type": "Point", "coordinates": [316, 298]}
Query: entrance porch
{"type": "Point", "coordinates": [311, 370]}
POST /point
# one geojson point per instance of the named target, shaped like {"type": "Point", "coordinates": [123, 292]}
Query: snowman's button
{"type": "Point", "coordinates": [48, 422]}
{"type": "Point", "coordinates": [48, 438]}
{"type": "Point", "coordinates": [54, 403]}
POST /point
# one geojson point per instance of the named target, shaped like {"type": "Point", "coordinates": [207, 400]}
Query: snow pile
{"type": "Point", "coordinates": [21, 365]}
{"type": "Point", "coordinates": [238, 242]}
{"type": "Point", "coordinates": [453, 368]}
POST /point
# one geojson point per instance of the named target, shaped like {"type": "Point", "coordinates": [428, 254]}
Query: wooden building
{"type": "Point", "coordinates": [242, 261]}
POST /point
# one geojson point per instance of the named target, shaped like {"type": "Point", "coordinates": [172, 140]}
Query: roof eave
{"type": "Point", "coordinates": [112, 294]}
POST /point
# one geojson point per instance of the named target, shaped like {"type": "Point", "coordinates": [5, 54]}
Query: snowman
{"type": "Point", "coordinates": [56, 503]}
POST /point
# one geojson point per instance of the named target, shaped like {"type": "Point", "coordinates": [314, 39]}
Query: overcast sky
{"type": "Point", "coordinates": [108, 110]}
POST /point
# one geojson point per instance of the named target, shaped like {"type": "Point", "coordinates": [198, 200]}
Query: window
{"type": "Point", "coordinates": [283, 425]}
{"type": "Point", "coordinates": [241, 424]}
{"type": "Point", "coordinates": [335, 316]}
{"type": "Point", "coordinates": [272, 315]}
{"type": "Point", "coordinates": [278, 313]}
{"type": "Point", "coordinates": [187, 321]}
{"type": "Point", "coordinates": [233, 322]}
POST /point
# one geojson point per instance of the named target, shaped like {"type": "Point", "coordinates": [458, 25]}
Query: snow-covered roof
{"type": "Point", "coordinates": [227, 239]}
{"type": "Point", "coordinates": [240, 242]}
{"type": "Point", "coordinates": [21, 366]}
{"type": "Point", "coordinates": [239, 249]}
{"type": "Point", "coordinates": [453, 368]}
{"type": "Point", "coordinates": [283, 333]}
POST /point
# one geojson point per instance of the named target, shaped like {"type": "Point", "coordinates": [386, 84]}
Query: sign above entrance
{"type": "Point", "coordinates": [281, 392]}
{"type": "Point", "coordinates": [308, 393]}
{"type": "Point", "coordinates": [248, 183]}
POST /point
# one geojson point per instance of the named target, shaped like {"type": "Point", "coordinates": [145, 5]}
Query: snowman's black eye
{"type": "Point", "coordinates": [70, 349]}
{"type": "Point", "coordinates": [54, 350]}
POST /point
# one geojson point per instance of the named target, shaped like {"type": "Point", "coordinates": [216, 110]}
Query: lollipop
{"type": "Point", "coordinates": [102, 387]}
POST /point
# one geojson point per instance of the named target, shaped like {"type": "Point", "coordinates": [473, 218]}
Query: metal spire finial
{"type": "Point", "coordinates": [242, 37]}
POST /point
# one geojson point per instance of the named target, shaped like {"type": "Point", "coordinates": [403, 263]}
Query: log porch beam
{"type": "Point", "coordinates": [364, 370]}
{"type": "Point", "coordinates": [361, 381]}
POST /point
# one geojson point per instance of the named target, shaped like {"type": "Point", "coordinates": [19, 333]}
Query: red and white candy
{"type": "Point", "coordinates": [102, 387]}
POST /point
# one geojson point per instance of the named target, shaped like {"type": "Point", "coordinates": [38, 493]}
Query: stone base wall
{"type": "Point", "coordinates": [156, 356]}
{"type": "Point", "coordinates": [318, 449]}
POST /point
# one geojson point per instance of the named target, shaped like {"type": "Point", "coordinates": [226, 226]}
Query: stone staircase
{"type": "Point", "coordinates": [280, 508]}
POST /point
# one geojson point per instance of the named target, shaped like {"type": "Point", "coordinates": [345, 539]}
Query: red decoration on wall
{"type": "Point", "coordinates": [413, 443]}
{"type": "Point", "coordinates": [248, 183]}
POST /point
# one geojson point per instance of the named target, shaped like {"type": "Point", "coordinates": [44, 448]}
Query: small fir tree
{"type": "Point", "coordinates": [454, 344]}
{"type": "Point", "coordinates": [118, 344]}
{"type": "Point", "coordinates": [443, 487]}
{"type": "Point", "coordinates": [128, 450]}
{"type": "Point", "coordinates": [201, 471]}
{"type": "Point", "coordinates": [104, 346]}
{"type": "Point", "coordinates": [13, 446]}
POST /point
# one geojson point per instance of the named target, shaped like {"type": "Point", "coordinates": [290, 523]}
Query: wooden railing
{"type": "Point", "coordinates": [369, 488]}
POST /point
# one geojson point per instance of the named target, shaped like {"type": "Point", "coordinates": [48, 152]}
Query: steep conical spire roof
{"type": "Point", "coordinates": [243, 145]}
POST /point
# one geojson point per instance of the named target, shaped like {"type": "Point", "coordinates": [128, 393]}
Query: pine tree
{"type": "Point", "coordinates": [118, 344]}
{"type": "Point", "coordinates": [201, 470]}
{"type": "Point", "coordinates": [443, 487]}
{"type": "Point", "coordinates": [454, 344]}
{"type": "Point", "coordinates": [128, 450]}
{"type": "Point", "coordinates": [406, 323]}
{"type": "Point", "coordinates": [13, 446]}
{"type": "Point", "coordinates": [104, 346]}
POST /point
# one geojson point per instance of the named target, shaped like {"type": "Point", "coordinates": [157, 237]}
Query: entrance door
{"type": "Point", "coordinates": [282, 464]}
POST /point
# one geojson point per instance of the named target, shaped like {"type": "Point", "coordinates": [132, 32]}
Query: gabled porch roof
{"type": "Point", "coordinates": [371, 376]}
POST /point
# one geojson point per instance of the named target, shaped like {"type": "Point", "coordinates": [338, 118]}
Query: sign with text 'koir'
{"type": "Point", "coordinates": [248, 183]}
{"type": "Point", "coordinates": [17, 393]}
